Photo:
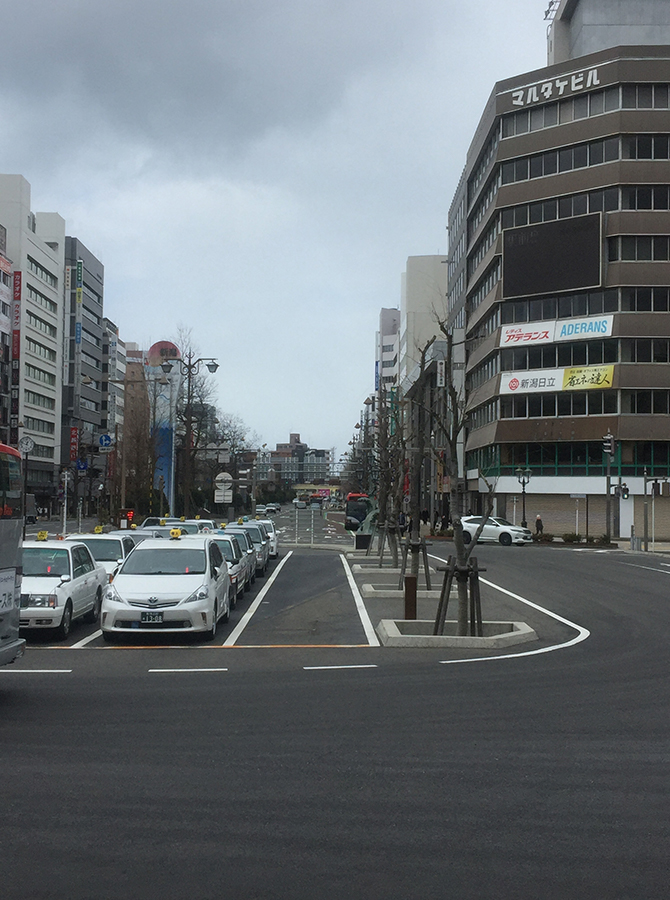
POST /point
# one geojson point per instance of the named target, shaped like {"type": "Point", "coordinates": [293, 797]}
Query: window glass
{"type": "Point", "coordinates": [661, 146]}
{"type": "Point", "coordinates": [565, 159]}
{"type": "Point", "coordinates": [549, 210]}
{"type": "Point", "coordinates": [659, 350]}
{"type": "Point", "coordinates": [521, 215]}
{"type": "Point", "coordinates": [580, 156]}
{"type": "Point", "coordinates": [579, 204]}
{"type": "Point", "coordinates": [661, 197]}
{"type": "Point", "coordinates": [549, 404]}
{"type": "Point", "coordinates": [550, 162]}
{"type": "Point", "coordinates": [595, 352]}
{"type": "Point", "coordinates": [508, 218]}
{"type": "Point", "coordinates": [628, 247]}
{"type": "Point", "coordinates": [611, 149]}
{"type": "Point", "coordinates": [580, 107]}
{"type": "Point", "coordinates": [596, 103]}
{"type": "Point", "coordinates": [535, 406]}
{"type": "Point", "coordinates": [644, 146]}
{"type": "Point", "coordinates": [629, 96]}
{"type": "Point", "coordinates": [508, 126]}
{"type": "Point", "coordinates": [596, 201]}
{"type": "Point", "coordinates": [549, 306]}
{"type": "Point", "coordinates": [643, 300]}
{"type": "Point", "coordinates": [551, 114]}
{"type": "Point", "coordinates": [661, 248]}
{"type": "Point", "coordinates": [565, 111]}
{"type": "Point", "coordinates": [536, 118]}
{"type": "Point", "coordinates": [564, 404]}
{"type": "Point", "coordinates": [564, 355]}
{"type": "Point", "coordinates": [611, 98]}
{"type": "Point", "coordinates": [596, 153]}
{"type": "Point", "coordinates": [579, 355]}
{"type": "Point", "coordinates": [661, 96]}
{"type": "Point", "coordinates": [549, 357]}
{"type": "Point", "coordinates": [521, 122]}
{"type": "Point", "coordinates": [534, 310]}
{"type": "Point", "coordinates": [521, 169]}
{"type": "Point", "coordinates": [643, 402]}
{"type": "Point", "coordinates": [519, 407]}
{"type": "Point", "coordinates": [643, 350]}
{"type": "Point", "coordinates": [579, 304]}
{"type": "Point", "coordinates": [644, 96]}
{"type": "Point", "coordinates": [611, 199]}
{"type": "Point", "coordinates": [579, 404]}
{"type": "Point", "coordinates": [610, 351]}
{"type": "Point", "coordinates": [508, 173]}
{"type": "Point", "coordinates": [535, 212]}
{"type": "Point", "coordinates": [610, 402]}
{"type": "Point", "coordinates": [536, 167]}
{"type": "Point", "coordinates": [535, 357]}
{"type": "Point", "coordinates": [565, 207]}
{"type": "Point", "coordinates": [564, 307]}
{"type": "Point", "coordinates": [595, 400]}
{"type": "Point", "coordinates": [660, 403]}
{"type": "Point", "coordinates": [660, 299]}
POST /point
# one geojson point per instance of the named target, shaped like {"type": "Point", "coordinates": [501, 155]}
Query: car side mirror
{"type": "Point", "coordinates": [65, 578]}
{"type": "Point", "coordinates": [119, 562]}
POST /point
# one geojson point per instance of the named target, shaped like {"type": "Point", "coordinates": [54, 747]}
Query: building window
{"type": "Point", "coordinates": [39, 425]}
{"type": "Point", "coordinates": [40, 350]}
{"type": "Point", "coordinates": [638, 248]}
{"type": "Point", "coordinates": [39, 374]}
{"type": "Point", "coordinates": [39, 270]}
{"type": "Point", "coordinates": [41, 300]}
{"type": "Point", "coordinates": [39, 399]}
{"type": "Point", "coordinates": [41, 325]}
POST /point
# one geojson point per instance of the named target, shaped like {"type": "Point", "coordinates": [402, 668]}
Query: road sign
{"type": "Point", "coordinates": [223, 480]}
{"type": "Point", "coordinates": [105, 440]}
{"type": "Point", "coordinates": [223, 496]}
{"type": "Point", "coordinates": [82, 465]}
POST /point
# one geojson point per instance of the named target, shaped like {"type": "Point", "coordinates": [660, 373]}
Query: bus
{"type": "Point", "coordinates": [11, 533]}
{"type": "Point", "coordinates": [356, 508]}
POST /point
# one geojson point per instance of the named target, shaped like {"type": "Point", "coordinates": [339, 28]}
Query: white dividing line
{"type": "Point", "coordinates": [246, 618]}
{"type": "Point", "coordinates": [36, 672]}
{"type": "Point", "coordinates": [648, 568]}
{"type": "Point", "coordinates": [370, 633]}
{"type": "Point", "coordinates": [316, 668]}
{"type": "Point", "coordinates": [582, 635]}
{"type": "Point", "coordinates": [87, 640]}
{"type": "Point", "coordinates": [164, 671]}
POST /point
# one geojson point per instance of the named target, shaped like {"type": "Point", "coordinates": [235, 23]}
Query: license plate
{"type": "Point", "coordinates": [152, 617]}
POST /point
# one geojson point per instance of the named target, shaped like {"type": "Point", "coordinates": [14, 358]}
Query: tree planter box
{"type": "Point", "coordinates": [419, 633]}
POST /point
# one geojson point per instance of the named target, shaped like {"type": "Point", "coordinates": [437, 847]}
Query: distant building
{"type": "Point", "coordinates": [5, 335]}
{"type": "Point", "coordinates": [35, 246]}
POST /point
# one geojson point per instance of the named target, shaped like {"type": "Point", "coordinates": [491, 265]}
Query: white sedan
{"type": "Point", "coordinates": [497, 530]}
{"type": "Point", "coordinates": [61, 582]}
{"type": "Point", "coordinates": [106, 549]}
{"type": "Point", "coordinates": [176, 585]}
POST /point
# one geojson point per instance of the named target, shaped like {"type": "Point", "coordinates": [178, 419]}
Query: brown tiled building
{"type": "Point", "coordinates": [559, 272]}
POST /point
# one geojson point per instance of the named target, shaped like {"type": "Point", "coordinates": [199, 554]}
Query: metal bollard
{"type": "Point", "coordinates": [410, 596]}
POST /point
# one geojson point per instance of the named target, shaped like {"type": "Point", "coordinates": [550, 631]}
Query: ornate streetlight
{"type": "Point", "coordinates": [523, 477]}
{"type": "Point", "coordinates": [188, 368]}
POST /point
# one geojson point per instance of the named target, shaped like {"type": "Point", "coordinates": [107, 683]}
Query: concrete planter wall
{"type": "Point", "coordinates": [419, 633]}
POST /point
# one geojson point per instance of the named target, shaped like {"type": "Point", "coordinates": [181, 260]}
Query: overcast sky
{"type": "Point", "coordinates": [259, 170]}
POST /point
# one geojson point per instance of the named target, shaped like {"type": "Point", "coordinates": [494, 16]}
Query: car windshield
{"type": "Point", "coordinates": [254, 533]}
{"type": "Point", "coordinates": [226, 548]}
{"type": "Point", "coordinates": [108, 550]}
{"type": "Point", "coordinates": [45, 561]}
{"type": "Point", "coordinates": [165, 561]}
{"type": "Point", "coordinates": [243, 538]}
{"type": "Point", "coordinates": [188, 527]}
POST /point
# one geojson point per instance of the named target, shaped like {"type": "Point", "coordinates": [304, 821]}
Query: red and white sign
{"type": "Point", "coordinates": [16, 317]}
{"type": "Point", "coordinates": [74, 444]}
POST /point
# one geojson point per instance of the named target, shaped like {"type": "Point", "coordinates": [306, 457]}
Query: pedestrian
{"type": "Point", "coordinates": [539, 527]}
{"type": "Point", "coordinates": [402, 524]}
{"type": "Point", "coordinates": [425, 516]}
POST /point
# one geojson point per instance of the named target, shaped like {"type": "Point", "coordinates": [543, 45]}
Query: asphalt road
{"type": "Point", "coordinates": [301, 762]}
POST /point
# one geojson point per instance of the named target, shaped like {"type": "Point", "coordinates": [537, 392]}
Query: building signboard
{"type": "Point", "coordinates": [74, 444]}
{"type": "Point", "coordinates": [553, 331]}
{"type": "Point", "coordinates": [581, 378]}
{"type": "Point", "coordinates": [555, 88]}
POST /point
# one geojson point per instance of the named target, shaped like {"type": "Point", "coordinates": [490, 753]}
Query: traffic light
{"type": "Point", "coordinates": [624, 492]}
{"type": "Point", "coordinates": [608, 444]}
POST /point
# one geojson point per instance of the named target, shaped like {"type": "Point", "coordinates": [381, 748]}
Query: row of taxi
{"type": "Point", "coordinates": [167, 578]}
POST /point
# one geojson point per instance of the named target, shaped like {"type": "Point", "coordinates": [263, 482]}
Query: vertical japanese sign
{"type": "Point", "coordinates": [441, 373]}
{"type": "Point", "coordinates": [16, 360]}
{"type": "Point", "coordinates": [74, 444]}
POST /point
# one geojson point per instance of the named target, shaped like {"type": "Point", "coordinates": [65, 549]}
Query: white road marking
{"type": "Point", "coordinates": [648, 568]}
{"type": "Point", "coordinates": [87, 640]}
{"type": "Point", "coordinates": [36, 671]}
{"type": "Point", "coordinates": [163, 671]}
{"type": "Point", "coordinates": [582, 635]}
{"type": "Point", "coordinates": [370, 633]}
{"type": "Point", "coordinates": [315, 668]}
{"type": "Point", "coordinates": [246, 618]}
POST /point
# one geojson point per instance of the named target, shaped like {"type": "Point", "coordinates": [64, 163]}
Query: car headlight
{"type": "Point", "coordinates": [198, 596]}
{"type": "Point", "coordinates": [112, 595]}
{"type": "Point", "coordinates": [43, 600]}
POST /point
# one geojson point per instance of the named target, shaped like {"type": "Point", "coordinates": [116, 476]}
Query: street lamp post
{"type": "Point", "coordinates": [523, 477]}
{"type": "Point", "coordinates": [188, 368]}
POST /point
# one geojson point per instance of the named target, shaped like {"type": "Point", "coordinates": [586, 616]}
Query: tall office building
{"type": "Point", "coordinates": [5, 335]}
{"type": "Point", "coordinates": [35, 246]}
{"type": "Point", "coordinates": [83, 365]}
{"type": "Point", "coordinates": [559, 267]}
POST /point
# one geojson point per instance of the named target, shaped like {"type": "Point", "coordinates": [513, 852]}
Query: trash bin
{"type": "Point", "coordinates": [362, 541]}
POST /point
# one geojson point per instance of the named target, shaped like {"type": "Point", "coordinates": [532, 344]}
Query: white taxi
{"type": "Point", "coordinates": [176, 585]}
{"type": "Point", "coordinates": [269, 526]}
{"type": "Point", "coordinates": [61, 582]}
{"type": "Point", "coordinates": [106, 549]}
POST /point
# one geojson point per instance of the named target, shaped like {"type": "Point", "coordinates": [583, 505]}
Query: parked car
{"type": "Point", "coordinates": [269, 526]}
{"type": "Point", "coordinates": [61, 583]}
{"type": "Point", "coordinates": [496, 529]}
{"type": "Point", "coordinates": [261, 509]}
{"type": "Point", "coordinates": [238, 566]}
{"type": "Point", "coordinates": [176, 585]}
{"type": "Point", "coordinates": [271, 508]}
{"type": "Point", "coordinates": [261, 541]}
{"type": "Point", "coordinates": [244, 539]}
{"type": "Point", "coordinates": [106, 549]}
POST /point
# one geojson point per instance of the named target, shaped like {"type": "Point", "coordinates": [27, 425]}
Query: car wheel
{"type": "Point", "coordinates": [94, 615]}
{"type": "Point", "coordinates": [505, 539]}
{"type": "Point", "coordinates": [467, 537]}
{"type": "Point", "coordinates": [63, 629]}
